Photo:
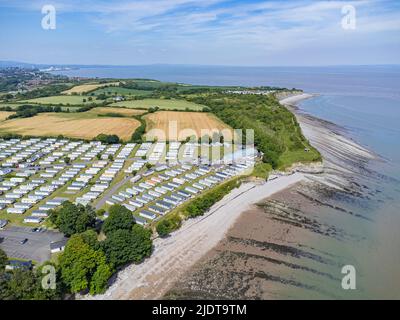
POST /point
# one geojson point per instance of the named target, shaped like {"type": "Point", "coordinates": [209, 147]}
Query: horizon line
{"type": "Point", "coordinates": [196, 65]}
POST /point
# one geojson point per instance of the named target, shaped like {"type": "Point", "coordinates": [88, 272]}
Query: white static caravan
{"type": "Point", "coordinates": [148, 215]}
{"type": "Point", "coordinates": [33, 220]}
{"type": "Point", "coordinates": [154, 193]}
{"type": "Point", "coordinates": [20, 205]}
{"type": "Point", "coordinates": [39, 213]}
{"type": "Point", "coordinates": [46, 207]}
{"type": "Point", "coordinates": [136, 203]}
{"type": "Point", "coordinates": [13, 196]}
{"type": "Point", "coordinates": [16, 210]}
{"type": "Point", "coordinates": [6, 201]}
{"type": "Point", "coordinates": [160, 190]}
{"type": "Point", "coordinates": [129, 207]}
{"type": "Point", "coordinates": [29, 200]}
{"type": "Point", "coordinates": [144, 201]}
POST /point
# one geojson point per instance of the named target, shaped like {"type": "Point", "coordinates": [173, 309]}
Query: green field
{"type": "Point", "coordinates": [121, 91]}
{"type": "Point", "coordinates": [163, 104]}
{"type": "Point", "coordinates": [72, 100]}
{"type": "Point", "coordinates": [12, 105]}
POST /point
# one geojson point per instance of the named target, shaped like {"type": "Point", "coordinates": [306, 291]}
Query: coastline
{"type": "Point", "coordinates": [175, 255]}
{"type": "Point", "coordinates": [280, 247]}
{"type": "Point", "coordinates": [176, 268]}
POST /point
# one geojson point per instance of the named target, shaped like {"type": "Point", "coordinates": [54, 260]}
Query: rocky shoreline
{"type": "Point", "coordinates": [280, 248]}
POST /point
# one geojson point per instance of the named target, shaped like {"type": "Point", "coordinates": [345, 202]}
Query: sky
{"type": "Point", "coordinates": [202, 32]}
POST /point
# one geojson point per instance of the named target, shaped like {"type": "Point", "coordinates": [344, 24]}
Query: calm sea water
{"type": "Point", "coordinates": [366, 101]}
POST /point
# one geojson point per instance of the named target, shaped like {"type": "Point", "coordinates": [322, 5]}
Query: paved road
{"type": "Point", "coordinates": [110, 192]}
{"type": "Point", "coordinates": [36, 248]}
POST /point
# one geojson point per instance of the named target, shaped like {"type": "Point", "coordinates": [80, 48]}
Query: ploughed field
{"type": "Point", "coordinates": [74, 126]}
{"type": "Point", "coordinates": [187, 125]}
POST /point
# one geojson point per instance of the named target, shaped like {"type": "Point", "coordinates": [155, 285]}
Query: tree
{"type": "Point", "coordinates": [71, 218]}
{"type": "Point", "coordinates": [100, 279]}
{"type": "Point", "coordinates": [120, 218]}
{"type": "Point", "coordinates": [3, 260]}
{"type": "Point", "coordinates": [90, 237]}
{"type": "Point", "coordinates": [21, 284]}
{"type": "Point", "coordinates": [108, 139]}
{"type": "Point", "coordinates": [83, 267]}
{"type": "Point", "coordinates": [149, 165]}
{"type": "Point", "coordinates": [124, 246]}
{"type": "Point", "coordinates": [67, 160]}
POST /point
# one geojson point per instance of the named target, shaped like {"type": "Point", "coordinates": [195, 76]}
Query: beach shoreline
{"type": "Point", "coordinates": [182, 252]}
{"type": "Point", "coordinates": [257, 258]}
{"type": "Point", "coordinates": [175, 255]}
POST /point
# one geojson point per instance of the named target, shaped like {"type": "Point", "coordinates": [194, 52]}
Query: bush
{"type": "Point", "coordinates": [108, 139]}
{"type": "Point", "coordinates": [167, 225]}
{"type": "Point", "coordinates": [201, 204]}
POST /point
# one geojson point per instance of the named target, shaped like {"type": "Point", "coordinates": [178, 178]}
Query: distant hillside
{"type": "Point", "coordinates": [8, 64]}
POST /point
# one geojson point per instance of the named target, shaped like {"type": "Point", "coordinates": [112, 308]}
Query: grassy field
{"type": "Point", "coordinates": [163, 104]}
{"type": "Point", "coordinates": [88, 87]}
{"type": "Point", "coordinates": [187, 124]}
{"type": "Point", "coordinates": [72, 100]}
{"type": "Point", "coordinates": [78, 125]}
{"type": "Point", "coordinates": [121, 111]}
{"type": "Point", "coordinates": [122, 91]}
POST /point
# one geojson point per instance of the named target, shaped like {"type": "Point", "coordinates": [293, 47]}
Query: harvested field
{"type": "Point", "coordinates": [88, 87]}
{"type": "Point", "coordinates": [187, 124]}
{"type": "Point", "coordinates": [4, 115]}
{"type": "Point", "coordinates": [49, 124]}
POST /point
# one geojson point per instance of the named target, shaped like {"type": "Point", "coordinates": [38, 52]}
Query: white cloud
{"type": "Point", "coordinates": [214, 30]}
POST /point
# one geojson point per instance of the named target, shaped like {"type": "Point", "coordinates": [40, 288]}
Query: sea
{"type": "Point", "coordinates": [365, 101]}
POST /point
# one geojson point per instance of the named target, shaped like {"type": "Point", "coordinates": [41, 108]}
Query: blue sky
{"type": "Point", "coordinates": [211, 32]}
